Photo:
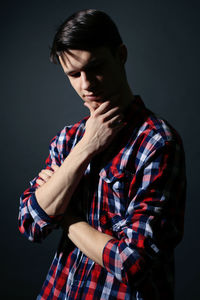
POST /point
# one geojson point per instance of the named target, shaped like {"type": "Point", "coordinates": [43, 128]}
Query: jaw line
{"type": "Point", "coordinates": [94, 104]}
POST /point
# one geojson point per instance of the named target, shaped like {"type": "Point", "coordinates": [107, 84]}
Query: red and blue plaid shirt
{"type": "Point", "coordinates": [134, 191]}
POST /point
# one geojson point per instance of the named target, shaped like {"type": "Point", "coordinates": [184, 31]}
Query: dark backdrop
{"type": "Point", "coordinates": [36, 102]}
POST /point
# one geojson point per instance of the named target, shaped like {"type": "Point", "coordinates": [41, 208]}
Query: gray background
{"type": "Point", "coordinates": [36, 102]}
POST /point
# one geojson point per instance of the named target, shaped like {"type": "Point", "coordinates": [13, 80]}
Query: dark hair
{"type": "Point", "coordinates": [85, 30]}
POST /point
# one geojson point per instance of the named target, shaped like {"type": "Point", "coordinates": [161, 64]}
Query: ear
{"type": "Point", "coordinates": [123, 53]}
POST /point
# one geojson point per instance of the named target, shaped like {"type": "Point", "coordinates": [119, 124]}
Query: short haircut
{"type": "Point", "coordinates": [85, 30]}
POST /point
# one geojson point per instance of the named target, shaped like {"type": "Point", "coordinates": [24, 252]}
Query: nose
{"type": "Point", "coordinates": [86, 81]}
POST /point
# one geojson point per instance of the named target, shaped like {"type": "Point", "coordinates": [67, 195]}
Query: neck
{"type": "Point", "coordinates": [126, 98]}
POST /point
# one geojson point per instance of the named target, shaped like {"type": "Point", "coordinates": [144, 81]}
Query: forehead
{"type": "Point", "coordinates": [79, 59]}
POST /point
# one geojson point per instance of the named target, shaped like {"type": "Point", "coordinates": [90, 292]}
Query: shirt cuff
{"type": "Point", "coordinates": [38, 213]}
{"type": "Point", "coordinates": [109, 257]}
{"type": "Point", "coordinates": [122, 261]}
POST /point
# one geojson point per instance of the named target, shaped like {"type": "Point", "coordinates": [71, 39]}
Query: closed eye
{"type": "Point", "coordinates": [75, 75]}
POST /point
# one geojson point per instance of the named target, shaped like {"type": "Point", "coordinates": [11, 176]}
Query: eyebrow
{"type": "Point", "coordinates": [93, 62]}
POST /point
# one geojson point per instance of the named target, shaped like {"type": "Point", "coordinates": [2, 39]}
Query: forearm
{"type": "Point", "coordinates": [55, 194]}
{"type": "Point", "coordinates": [89, 240]}
{"type": "Point", "coordinates": [115, 255]}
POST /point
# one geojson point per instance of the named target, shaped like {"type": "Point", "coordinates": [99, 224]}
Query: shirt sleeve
{"type": "Point", "coordinates": [153, 224]}
{"type": "Point", "coordinates": [34, 223]}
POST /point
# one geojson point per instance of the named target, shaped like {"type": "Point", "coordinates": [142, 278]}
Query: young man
{"type": "Point", "coordinates": [115, 181]}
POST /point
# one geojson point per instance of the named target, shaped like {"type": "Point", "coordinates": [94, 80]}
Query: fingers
{"type": "Point", "coordinates": [116, 122]}
{"type": "Point", "coordinates": [55, 167]}
{"type": "Point", "coordinates": [103, 108]}
{"type": "Point", "coordinates": [46, 174]}
{"type": "Point", "coordinates": [111, 116]}
{"type": "Point", "coordinates": [114, 112]}
{"type": "Point", "coordinates": [40, 182]}
{"type": "Point", "coordinates": [100, 107]}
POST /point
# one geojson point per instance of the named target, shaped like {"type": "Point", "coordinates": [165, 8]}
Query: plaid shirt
{"type": "Point", "coordinates": [134, 191]}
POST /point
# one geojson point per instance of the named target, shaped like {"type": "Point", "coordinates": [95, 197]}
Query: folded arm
{"type": "Point", "coordinates": [152, 225]}
{"type": "Point", "coordinates": [55, 194]}
{"type": "Point", "coordinates": [50, 194]}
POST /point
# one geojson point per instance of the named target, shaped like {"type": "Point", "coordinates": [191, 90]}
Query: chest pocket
{"type": "Point", "coordinates": [118, 181]}
{"type": "Point", "coordinates": [115, 189]}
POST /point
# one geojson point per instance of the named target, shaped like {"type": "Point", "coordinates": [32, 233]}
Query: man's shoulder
{"type": "Point", "coordinates": [153, 136]}
{"type": "Point", "coordinates": [148, 124]}
{"type": "Point", "coordinates": [158, 128]}
{"type": "Point", "coordinates": [161, 127]}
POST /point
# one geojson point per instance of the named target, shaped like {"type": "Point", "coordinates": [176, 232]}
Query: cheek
{"type": "Point", "coordinates": [75, 85]}
{"type": "Point", "coordinates": [111, 76]}
{"type": "Point", "coordinates": [111, 82]}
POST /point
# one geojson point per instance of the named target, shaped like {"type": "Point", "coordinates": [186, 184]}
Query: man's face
{"type": "Point", "coordinates": [96, 75]}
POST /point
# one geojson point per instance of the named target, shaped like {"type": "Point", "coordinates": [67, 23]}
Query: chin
{"type": "Point", "coordinates": [94, 104]}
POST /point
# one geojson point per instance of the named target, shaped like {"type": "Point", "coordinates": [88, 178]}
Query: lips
{"type": "Point", "coordinates": [93, 97]}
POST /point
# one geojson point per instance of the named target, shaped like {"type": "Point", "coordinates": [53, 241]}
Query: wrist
{"type": "Point", "coordinates": [88, 147]}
